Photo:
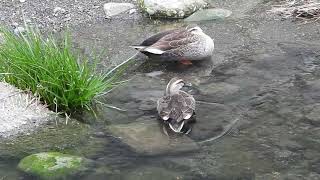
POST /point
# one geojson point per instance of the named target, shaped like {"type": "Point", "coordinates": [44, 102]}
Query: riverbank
{"type": "Point", "coordinates": [20, 112]}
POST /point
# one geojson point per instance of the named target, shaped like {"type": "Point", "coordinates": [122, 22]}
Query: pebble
{"type": "Point", "coordinates": [58, 10]}
{"type": "Point", "coordinates": [19, 30]}
{"type": "Point", "coordinates": [132, 11]}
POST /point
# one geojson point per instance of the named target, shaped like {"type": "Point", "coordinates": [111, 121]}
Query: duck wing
{"type": "Point", "coordinates": [189, 105]}
{"type": "Point", "coordinates": [176, 107]}
{"type": "Point", "coordinates": [163, 107]}
{"type": "Point", "coordinates": [174, 41]}
{"type": "Point", "coordinates": [153, 39]}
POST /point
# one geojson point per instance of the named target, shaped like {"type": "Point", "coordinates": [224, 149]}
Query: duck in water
{"type": "Point", "coordinates": [183, 45]}
{"type": "Point", "coordinates": [176, 107]}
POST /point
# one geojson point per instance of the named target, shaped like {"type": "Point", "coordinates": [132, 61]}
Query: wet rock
{"type": "Point", "coordinates": [147, 138]}
{"type": "Point", "coordinates": [209, 14]}
{"type": "Point", "coordinates": [171, 8]}
{"type": "Point", "coordinates": [112, 9]}
{"type": "Point", "coordinates": [52, 165]}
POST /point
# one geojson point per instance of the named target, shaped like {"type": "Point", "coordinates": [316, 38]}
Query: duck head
{"type": "Point", "coordinates": [174, 86]}
{"type": "Point", "coordinates": [195, 30]}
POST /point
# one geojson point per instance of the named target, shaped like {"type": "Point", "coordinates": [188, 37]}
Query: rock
{"type": "Point", "coordinates": [171, 8]}
{"type": "Point", "coordinates": [209, 14]}
{"type": "Point", "coordinates": [154, 73]}
{"type": "Point", "coordinates": [147, 138]}
{"type": "Point", "coordinates": [112, 9]}
{"type": "Point", "coordinates": [58, 10]}
{"type": "Point", "coordinates": [52, 165]}
{"type": "Point", "coordinates": [22, 1]}
{"type": "Point", "coordinates": [132, 11]}
{"type": "Point", "coordinates": [19, 30]}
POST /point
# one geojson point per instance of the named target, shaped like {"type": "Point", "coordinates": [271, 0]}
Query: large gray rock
{"type": "Point", "coordinates": [112, 9]}
{"type": "Point", "coordinates": [171, 8]}
{"type": "Point", "coordinates": [147, 138]}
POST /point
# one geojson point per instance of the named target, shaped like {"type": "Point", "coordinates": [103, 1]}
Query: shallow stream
{"type": "Point", "coordinates": [263, 70]}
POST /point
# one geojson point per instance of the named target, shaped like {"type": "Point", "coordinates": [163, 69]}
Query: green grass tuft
{"type": "Point", "coordinates": [64, 80]}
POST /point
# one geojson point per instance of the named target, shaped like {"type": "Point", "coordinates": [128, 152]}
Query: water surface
{"type": "Point", "coordinates": [265, 71]}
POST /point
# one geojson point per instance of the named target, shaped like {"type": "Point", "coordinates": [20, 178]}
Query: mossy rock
{"type": "Point", "coordinates": [52, 165]}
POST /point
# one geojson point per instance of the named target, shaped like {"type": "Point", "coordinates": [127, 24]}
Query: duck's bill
{"type": "Point", "coordinates": [176, 127]}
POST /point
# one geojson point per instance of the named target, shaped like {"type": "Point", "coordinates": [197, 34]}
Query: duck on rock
{"type": "Point", "coordinates": [185, 45]}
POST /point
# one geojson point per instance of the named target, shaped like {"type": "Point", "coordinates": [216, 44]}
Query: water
{"type": "Point", "coordinates": [263, 70]}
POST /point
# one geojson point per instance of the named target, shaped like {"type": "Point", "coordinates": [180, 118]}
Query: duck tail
{"type": "Point", "coordinates": [137, 47]}
{"type": "Point", "coordinates": [151, 50]}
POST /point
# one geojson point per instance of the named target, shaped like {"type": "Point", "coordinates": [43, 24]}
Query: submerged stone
{"type": "Point", "coordinates": [148, 138]}
{"type": "Point", "coordinates": [209, 14]}
{"type": "Point", "coordinates": [171, 8]}
{"type": "Point", "coordinates": [52, 165]}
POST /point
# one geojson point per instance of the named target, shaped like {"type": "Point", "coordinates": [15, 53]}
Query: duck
{"type": "Point", "coordinates": [176, 108]}
{"type": "Point", "coordinates": [182, 44]}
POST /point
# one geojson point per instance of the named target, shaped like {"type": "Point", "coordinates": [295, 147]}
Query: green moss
{"type": "Point", "coordinates": [52, 165]}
